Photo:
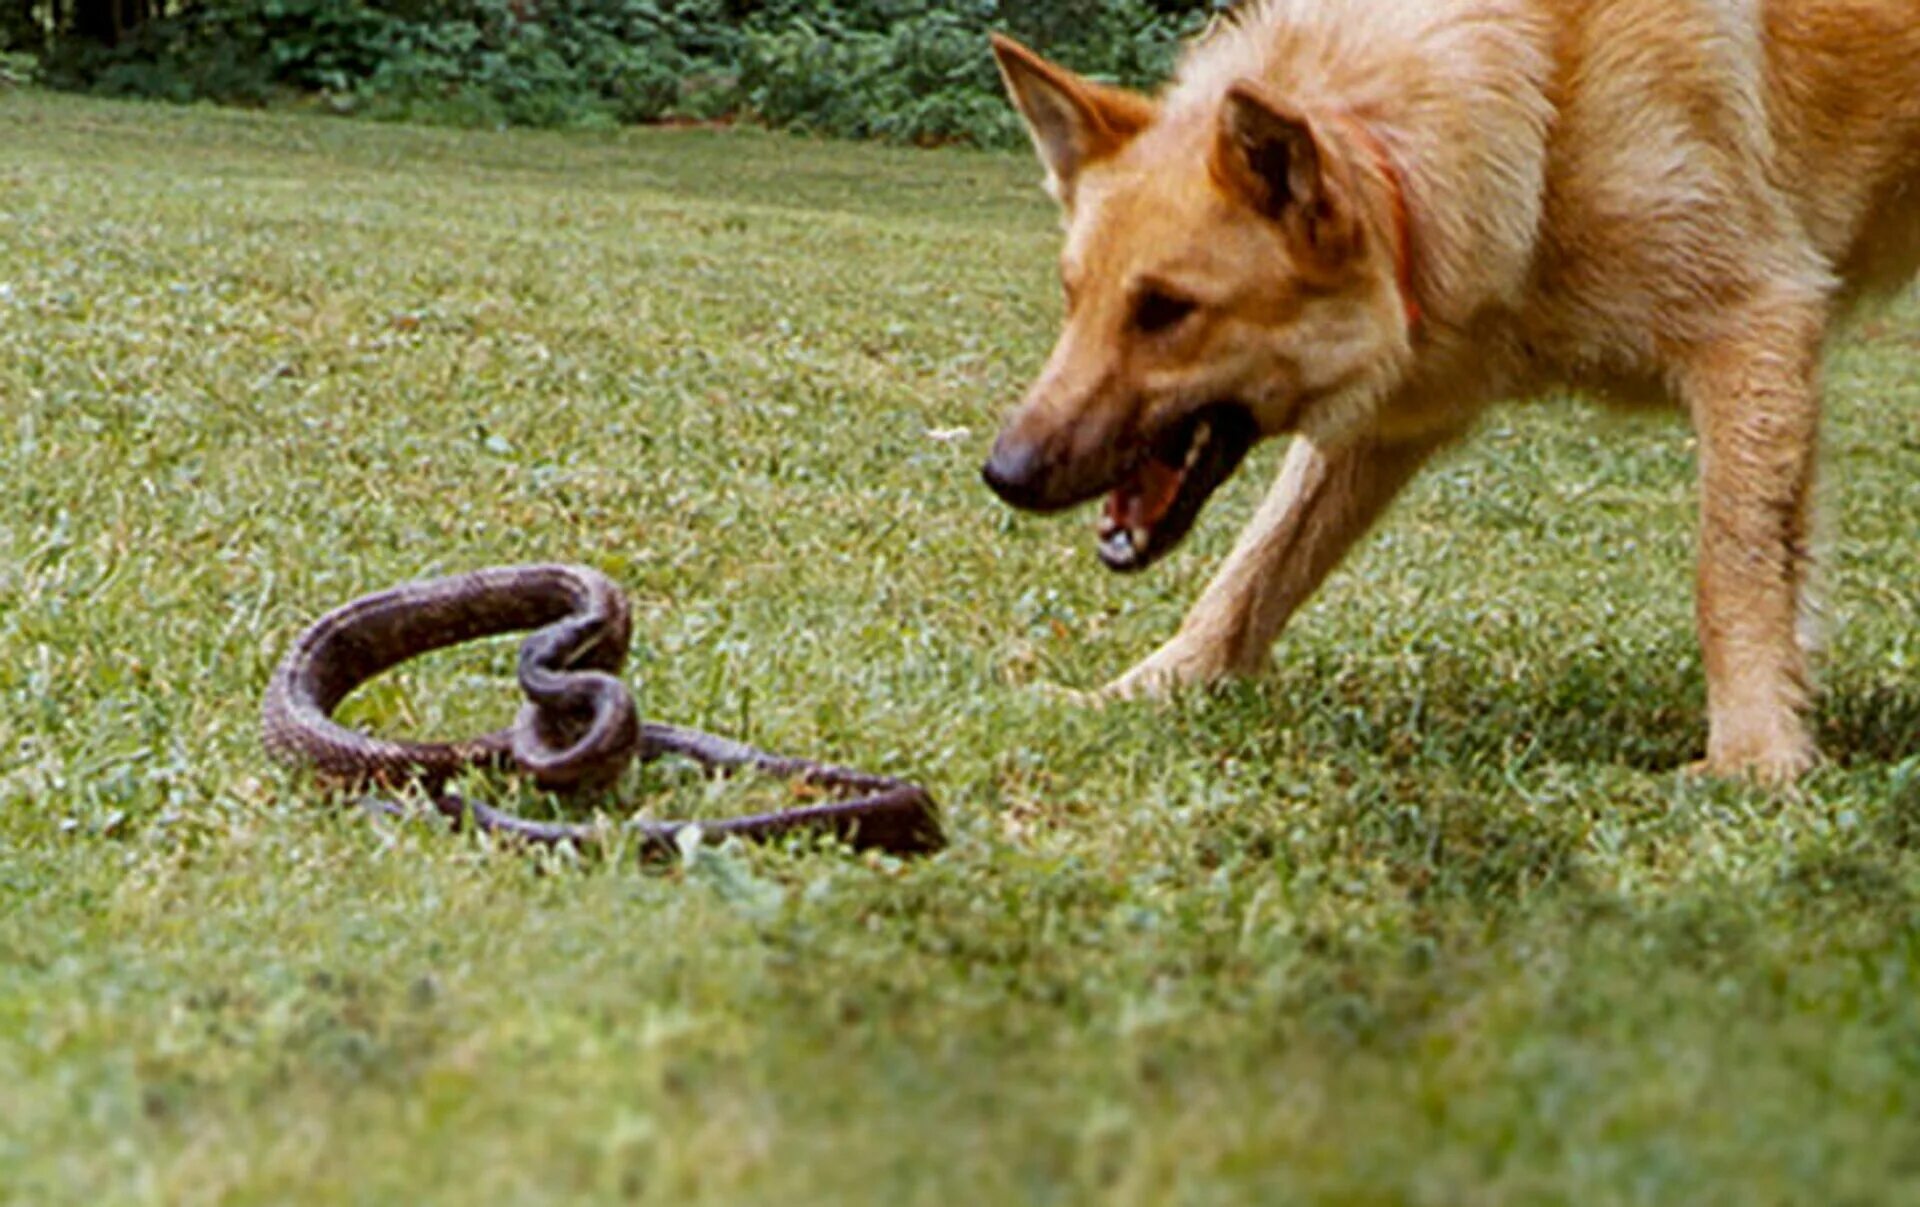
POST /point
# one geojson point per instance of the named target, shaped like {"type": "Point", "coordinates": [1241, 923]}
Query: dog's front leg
{"type": "Point", "coordinates": [1755, 402]}
{"type": "Point", "coordinates": [1322, 502]}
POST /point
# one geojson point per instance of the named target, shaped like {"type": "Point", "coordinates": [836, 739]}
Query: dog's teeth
{"type": "Point", "coordinates": [1201, 435]}
{"type": "Point", "coordinates": [1138, 535]}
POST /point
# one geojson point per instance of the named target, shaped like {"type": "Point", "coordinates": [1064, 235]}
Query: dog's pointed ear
{"type": "Point", "coordinates": [1074, 121]}
{"type": "Point", "coordinates": [1273, 157]}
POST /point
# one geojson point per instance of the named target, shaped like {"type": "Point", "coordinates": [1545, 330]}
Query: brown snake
{"type": "Point", "coordinates": [578, 729]}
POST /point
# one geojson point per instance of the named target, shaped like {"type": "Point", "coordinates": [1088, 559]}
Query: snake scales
{"type": "Point", "coordinates": [578, 729]}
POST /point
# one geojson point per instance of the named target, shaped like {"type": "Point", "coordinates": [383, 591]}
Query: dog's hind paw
{"type": "Point", "coordinates": [1778, 764]}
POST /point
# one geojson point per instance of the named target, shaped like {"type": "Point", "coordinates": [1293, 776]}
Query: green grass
{"type": "Point", "coordinates": [1427, 915]}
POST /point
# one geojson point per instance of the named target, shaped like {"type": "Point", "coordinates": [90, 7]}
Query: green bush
{"type": "Point", "coordinates": [584, 62]}
{"type": "Point", "coordinates": [241, 51]}
{"type": "Point", "coordinates": [920, 72]}
{"type": "Point", "coordinates": [903, 70]}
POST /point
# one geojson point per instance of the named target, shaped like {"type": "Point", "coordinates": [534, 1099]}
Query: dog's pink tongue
{"type": "Point", "coordinates": [1141, 502]}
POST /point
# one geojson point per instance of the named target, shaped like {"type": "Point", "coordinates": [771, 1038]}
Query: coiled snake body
{"type": "Point", "coordinates": [578, 729]}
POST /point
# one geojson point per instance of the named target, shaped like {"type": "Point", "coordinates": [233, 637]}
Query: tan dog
{"type": "Point", "coordinates": [1364, 221]}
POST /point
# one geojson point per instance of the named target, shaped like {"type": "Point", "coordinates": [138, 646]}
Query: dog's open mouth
{"type": "Point", "coordinates": [1153, 507]}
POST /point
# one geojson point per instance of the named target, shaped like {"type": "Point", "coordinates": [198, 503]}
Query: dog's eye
{"type": "Point", "coordinates": [1159, 311]}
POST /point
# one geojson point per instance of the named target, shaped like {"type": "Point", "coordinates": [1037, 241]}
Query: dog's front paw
{"type": "Point", "coordinates": [1171, 667]}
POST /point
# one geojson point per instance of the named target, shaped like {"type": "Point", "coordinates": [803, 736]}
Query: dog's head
{"type": "Point", "coordinates": [1230, 275]}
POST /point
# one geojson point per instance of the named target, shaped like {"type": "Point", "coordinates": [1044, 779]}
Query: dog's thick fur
{"type": "Point", "coordinates": [1364, 221]}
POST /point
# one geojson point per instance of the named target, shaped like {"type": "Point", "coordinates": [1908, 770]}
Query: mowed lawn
{"type": "Point", "coordinates": [1427, 915]}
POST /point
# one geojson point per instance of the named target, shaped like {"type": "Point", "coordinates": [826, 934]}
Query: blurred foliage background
{"type": "Point", "coordinates": [900, 70]}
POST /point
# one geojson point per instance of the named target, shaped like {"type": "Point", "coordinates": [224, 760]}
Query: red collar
{"type": "Point", "coordinates": [1402, 226]}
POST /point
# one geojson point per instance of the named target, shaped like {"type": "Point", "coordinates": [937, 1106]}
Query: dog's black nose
{"type": "Point", "coordinates": [1016, 473]}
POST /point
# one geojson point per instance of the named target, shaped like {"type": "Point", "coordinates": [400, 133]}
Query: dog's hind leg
{"type": "Point", "coordinates": [1754, 396]}
{"type": "Point", "coordinates": [1323, 501]}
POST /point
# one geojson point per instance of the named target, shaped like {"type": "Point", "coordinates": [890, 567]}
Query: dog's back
{"type": "Point", "coordinates": [1699, 147]}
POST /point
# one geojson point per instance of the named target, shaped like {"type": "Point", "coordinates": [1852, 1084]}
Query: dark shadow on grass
{"type": "Point", "coordinates": [1641, 709]}
{"type": "Point", "coordinates": [1898, 824]}
{"type": "Point", "coordinates": [1861, 724]}
{"type": "Point", "coordinates": [1439, 771]}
